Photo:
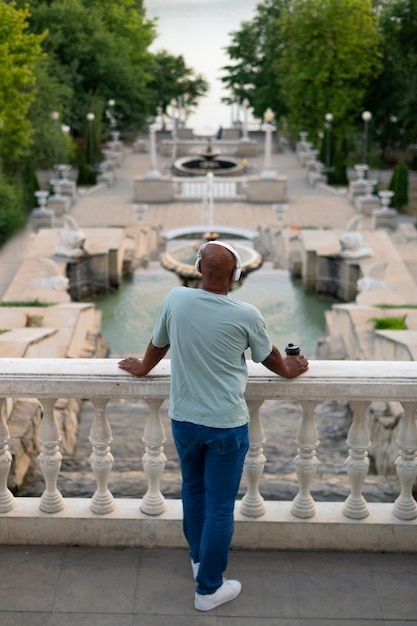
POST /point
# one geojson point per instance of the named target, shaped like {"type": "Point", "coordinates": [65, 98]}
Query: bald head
{"type": "Point", "coordinates": [217, 263]}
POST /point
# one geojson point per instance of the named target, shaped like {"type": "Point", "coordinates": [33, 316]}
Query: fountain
{"type": "Point", "coordinates": [182, 259]}
{"type": "Point", "coordinates": [208, 160]}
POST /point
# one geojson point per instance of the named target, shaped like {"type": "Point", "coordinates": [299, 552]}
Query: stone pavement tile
{"type": "Point", "coordinates": [88, 619]}
{"type": "Point", "coordinates": [97, 581]}
{"type": "Point", "coordinates": [197, 619]}
{"type": "Point", "coordinates": [34, 571]}
{"type": "Point", "coordinates": [395, 578]}
{"type": "Point", "coordinates": [346, 622]}
{"type": "Point", "coordinates": [24, 618]}
{"type": "Point", "coordinates": [173, 594]}
{"type": "Point", "coordinates": [326, 588]}
{"type": "Point", "coordinates": [260, 621]}
{"type": "Point", "coordinates": [268, 586]}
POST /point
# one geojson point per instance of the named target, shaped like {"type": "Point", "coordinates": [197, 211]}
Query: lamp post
{"type": "Point", "coordinates": [55, 118]}
{"type": "Point", "coordinates": [91, 118]}
{"type": "Point", "coordinates": [329, 119]}
{"type": "Point", "coordinates": [174, 134]}
{"type": "Point", "coordinates": [245, 136]}
{"type": "Point", "coordinates": [268, 119]}
{"type": "Point", "coordinates": [366, 116]}
{"type": "Point", "coordinates": [153, 172]}
{"type": "Point", "coordinates": [110, 113]}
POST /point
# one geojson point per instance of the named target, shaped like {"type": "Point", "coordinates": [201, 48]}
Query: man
{"type": "Point", "coordinates": [208, 334]}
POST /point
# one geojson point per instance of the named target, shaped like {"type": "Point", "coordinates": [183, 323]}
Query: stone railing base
{"type": "Point", "coordinates": [277, 529]}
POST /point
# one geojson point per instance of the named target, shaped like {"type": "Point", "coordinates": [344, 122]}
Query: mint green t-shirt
{"type": "Point", "coordinates": [208, 335]}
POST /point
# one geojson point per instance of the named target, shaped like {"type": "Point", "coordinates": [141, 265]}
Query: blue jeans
{"type": "Point", "coordinates": [211, 462]}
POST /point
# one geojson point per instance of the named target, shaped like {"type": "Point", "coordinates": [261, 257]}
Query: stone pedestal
{"type": "Point", "coordinates": [247, 149]}
{"type": "Point", "coordinates": [357, 188]}
{"type": "Point", "coordinates": [385, 218]}
{"type": "Point", "coordinates": [42, 218]}
{"type": "Point", "coordinates": [59, 204]}
{"type": "Point", "coordinates": [68, 188]}
{"type": "Point", "coordinates": [367, 204]}
{"type": "Point", "coordinates": [140, 145]}
{"type": "Point", "coordinates": [153, 190]}
{"type": "Point", "coordinates": [266, 189]}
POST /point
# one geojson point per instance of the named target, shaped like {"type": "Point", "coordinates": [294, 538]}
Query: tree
{"type": "Point", "coordinates": [330, 55]}
{"type": "Point", "coordinates": [399, 185]}
{"type": "Point", "coordinates": [98, 49]}
{"type": "Point", "coordinates": [254, 51]}
{"type": "Point", "coordinates": [19, 54]}
{"type": "Point", "coordinates": [392, 96]}
{"type": "Point", "coordinates": [171, 80]}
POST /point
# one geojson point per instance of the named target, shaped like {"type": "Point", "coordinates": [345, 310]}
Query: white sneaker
{"type": "Point", "coordinates": [229, 590]}
{"type": "Point", "coordinates": [195, 567]}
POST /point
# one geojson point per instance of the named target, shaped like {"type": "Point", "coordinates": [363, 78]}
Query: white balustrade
{"type": "Point", "coordinates": [357, 461]}
{"type": "Point", "coordinates": [101, 458]}
{"type": "Point", "coordinates": [50, 458]}
{"type": "Point", "coordinates": [197, 187]}
{"type": "Point", "coordinates": [405, 506]}
{"type": "Point", "coordinates": [252, 502]}
{"type": "Point", "coordinates": [154, 459]}
{"type": "Point", "coordinates": [6, 497]}
{"type": "Point", "coordinates": [306, 462]}
{"type": "Point", "coordinates": [101, 379]}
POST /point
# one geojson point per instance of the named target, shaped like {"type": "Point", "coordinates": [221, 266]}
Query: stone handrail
{"type": "Point", "coordinates": [99, 380]}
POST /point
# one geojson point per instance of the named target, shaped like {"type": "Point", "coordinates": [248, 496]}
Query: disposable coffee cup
{"type": "Point", "coordinates": [292, 349]}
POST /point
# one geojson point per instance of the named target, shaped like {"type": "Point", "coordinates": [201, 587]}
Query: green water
{"type": "Point", "coordinates": [291, 315]}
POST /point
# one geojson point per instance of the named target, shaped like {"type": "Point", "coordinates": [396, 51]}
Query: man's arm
{"type": "Point", "coordinates": [288, 367]}
{"type": "Point", "coordinates": [141, 367]}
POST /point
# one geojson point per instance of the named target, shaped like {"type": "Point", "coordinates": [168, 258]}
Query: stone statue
{"type": "Point", "coordinates": [52, 279]}
{"type": "Point", "coordinates": [71, 239]}
{"type": "Point", "coordinates": [373, 278]}
{"type": "Point", "coordinates": [352, 245]}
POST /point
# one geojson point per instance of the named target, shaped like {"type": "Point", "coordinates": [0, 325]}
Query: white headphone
{"type": "Point", "coordinates": [235, 253]}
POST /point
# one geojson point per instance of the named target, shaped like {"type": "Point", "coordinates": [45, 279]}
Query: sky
{"type": "Point", "coordinates": [199, 30]}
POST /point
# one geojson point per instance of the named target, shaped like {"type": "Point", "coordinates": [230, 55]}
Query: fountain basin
{"type": "Point", "coordinates": [198, 166]}
{"type": "Point", "coordinates": [208, 160]}
{"type": "Point", "coordinates": [182, 259]}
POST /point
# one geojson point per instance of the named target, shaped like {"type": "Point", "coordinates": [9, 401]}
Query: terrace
{"type": "Point", "coordinates": [353, 559]}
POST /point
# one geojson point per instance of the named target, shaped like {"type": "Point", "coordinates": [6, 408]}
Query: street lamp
{"type": "Point", "coordinates": [366, 116]}
{"type": "Point", "coordinates": [269, 127]}
{"type": "Point", "coordinates": [110, 113]}
{"type": "Point", "coordinates": [91, 118]}
{"type": "Point", "coordinates": [55, 118]}
{"type": "Point", "coordinates": [245, 136]}
{"type": "Point", "coordinates": [329, 119]}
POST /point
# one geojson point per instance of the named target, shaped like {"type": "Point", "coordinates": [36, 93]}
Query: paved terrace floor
{"type": "Point", "coordinates": [68, 586]}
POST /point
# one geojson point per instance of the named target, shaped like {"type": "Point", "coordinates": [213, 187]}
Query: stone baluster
{"type": "Point", "coordinates": [305, 462]}
{"type": "Point", "coordinates": [101, 458]}
{"type": "Point", "coordinates": [405, 506]}
{"type": "Point", "coordinates": [252, 502]}
{"type": "Point", "coordinates": [357, 462]}
{"type": "Point", "coordinates": [6, 497]}
{"type": "Point", "coordinates": [50, 458]}
{"type": "Point", "coordinates": [154, 459]}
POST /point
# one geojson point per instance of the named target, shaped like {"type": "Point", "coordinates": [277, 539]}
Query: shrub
{"type": "Point", "coordinates": [12, 210]}
{"type": "Point", "coordinates": [399, 185]}
{"type": "Point", "coordinates": [389, 323]}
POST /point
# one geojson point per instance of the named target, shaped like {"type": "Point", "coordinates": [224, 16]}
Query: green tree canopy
{"type": "Point", "coordinates": [331, 52]}
{"type": "Point", "coordinates": [20, 51]}
{"type": "Point", "coordinates": [254, 52]}
{"type": "Point", "coordinates": [171, 80]}
{"type": "Point", "coordinates": [392, 96]}
{"type": "Point", "coordinates": [98, 50]}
